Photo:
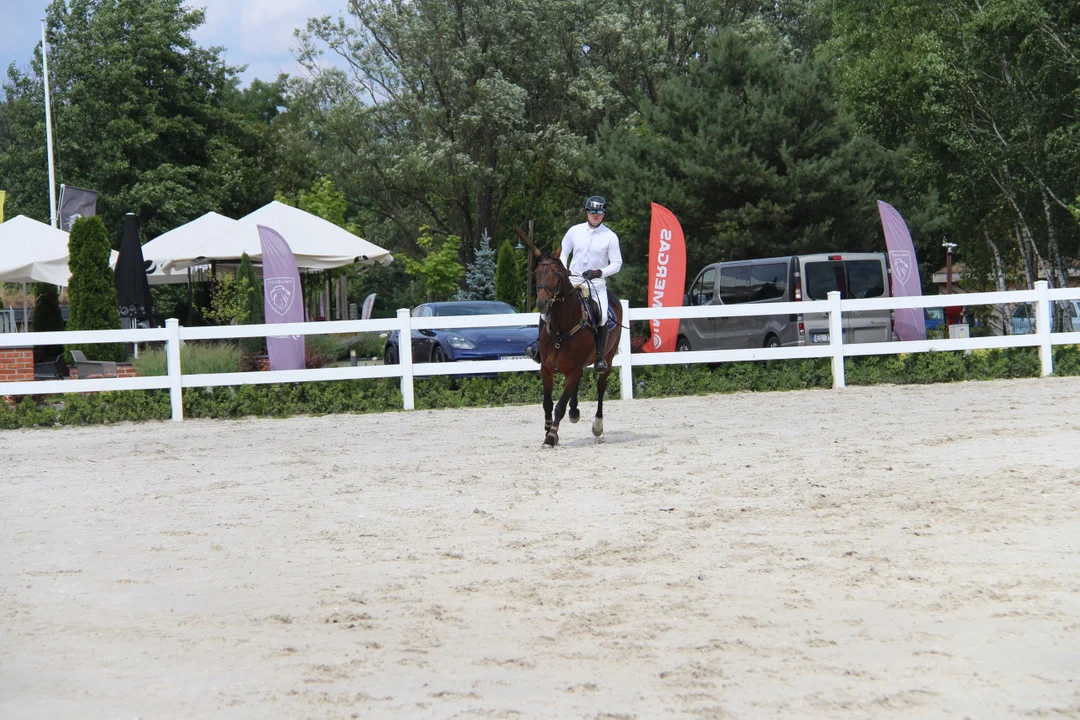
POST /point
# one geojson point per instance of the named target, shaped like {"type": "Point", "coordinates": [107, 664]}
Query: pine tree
{"type": "Point", "coordinates": [480, 275]}
{"type": "Point", "coordinates": [508, 285]}
{"type": "Point", "coordinates": [251, 292]}
{"type": "Point", "coordinates": [92, 288]}
{"type": "Point", "coordinates": [47, 315]}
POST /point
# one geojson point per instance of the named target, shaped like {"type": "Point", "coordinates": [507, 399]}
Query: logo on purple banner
{"type": "Point", "coordinates": [279, 293]}
{"type": "Point", "coordinates": [281, 282]}
{"type": "Point", "coordinates": [910, 324]}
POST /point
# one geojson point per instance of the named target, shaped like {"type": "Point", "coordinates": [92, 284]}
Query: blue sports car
{"type": "Point", "coordinates": [448, 345]}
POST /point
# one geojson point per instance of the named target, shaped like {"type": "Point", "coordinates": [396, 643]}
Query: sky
{"type": "Point", "coordinates": [256, 33]}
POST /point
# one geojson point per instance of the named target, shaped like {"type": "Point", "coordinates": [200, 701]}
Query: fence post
{"type": "Point", "coordinates": [172, 364]}
{"type": "Point", "coordinates": [405, 358]}
{"type": "Point", "coordinates": [1042, 326]}
{"type": "Point", "coordinates": [626, 378]}
{"type": "Point", "coordinates": [836, 340]}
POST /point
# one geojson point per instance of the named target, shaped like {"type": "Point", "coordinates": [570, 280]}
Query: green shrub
{"type": "Point", "coordinates": [382, 395]}
{"type": "Point", "coordinates": [325, 346]}
{"type": "Point", "coordinates": [195, 359]}
{"type": "Point", "coordinates": [366, 345]}
{"type": "Point", "coordinates": [92, 289]}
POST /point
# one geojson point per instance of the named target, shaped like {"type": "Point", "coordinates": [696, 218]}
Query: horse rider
{"type": "Point", "coordinates": [596, 255]}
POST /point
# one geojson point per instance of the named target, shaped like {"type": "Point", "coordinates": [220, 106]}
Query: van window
{"type": "Point", "coordinates": [767, 282]}
{"type": "Point", "coordinates": [823, 278]}
{"type": "Point", "coordinates": [702, 291]}
{"type": "Point", "coordinates": [734, 285]}
{"type": "Point", "coordinates": [865, 279]}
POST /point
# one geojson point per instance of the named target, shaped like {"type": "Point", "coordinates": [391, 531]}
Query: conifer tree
{"type": "Point", "coordinates": [508, 276]}
{"type": "Point", "coordinates": [92, 289]}
{"type": "Point", "coordinates": [251, 292]}
{"type": "Point", "coordinates": [480, 275]}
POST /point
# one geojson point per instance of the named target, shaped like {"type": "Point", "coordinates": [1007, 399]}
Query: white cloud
{"type": "Point", "coordinates": [256, 33]}
{"type": "Point", "coordinates": [259, 33]}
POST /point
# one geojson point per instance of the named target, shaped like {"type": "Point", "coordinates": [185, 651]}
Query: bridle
{"type": "Point", "coordinates": [554, 292]}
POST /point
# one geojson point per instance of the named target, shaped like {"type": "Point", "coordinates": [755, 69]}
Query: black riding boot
{"type": "Point", "coordinates": [601, 344]}
{"type": "Point", "coordinates": [533, 350]}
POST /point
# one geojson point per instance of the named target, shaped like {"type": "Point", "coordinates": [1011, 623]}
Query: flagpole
{"type": "Point", "coordinates": [48, 127]}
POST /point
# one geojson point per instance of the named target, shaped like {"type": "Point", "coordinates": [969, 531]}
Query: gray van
{"type": "Point", "coordinates": [786, 279]}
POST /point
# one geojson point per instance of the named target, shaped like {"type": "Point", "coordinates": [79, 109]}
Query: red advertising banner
{"type": "Point", "coordinates": [667, 276]}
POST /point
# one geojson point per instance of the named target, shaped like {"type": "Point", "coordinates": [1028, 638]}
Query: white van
{"type": "Point", "coordinates": [787, 279]}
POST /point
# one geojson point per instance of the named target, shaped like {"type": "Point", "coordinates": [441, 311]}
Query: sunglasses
{"type": "Point", "coordinates": [596, 212]}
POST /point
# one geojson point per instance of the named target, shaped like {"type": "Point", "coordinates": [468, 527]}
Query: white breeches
{"type": "Point", "coordinates": [598, 290]}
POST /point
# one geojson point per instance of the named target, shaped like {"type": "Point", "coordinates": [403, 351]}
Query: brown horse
{"type": "Point", "coordinates": [568, 344]}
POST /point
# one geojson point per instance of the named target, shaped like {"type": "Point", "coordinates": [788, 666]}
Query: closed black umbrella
{"type": "Point", "coordinates": [132, 287]}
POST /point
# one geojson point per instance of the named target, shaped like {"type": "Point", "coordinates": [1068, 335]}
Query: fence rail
{"type": "Point", "coordinates": [836, 349]}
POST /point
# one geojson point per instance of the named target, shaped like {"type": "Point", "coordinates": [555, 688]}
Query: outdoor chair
{"type": "Point", "coordinates": [7, 321]}
{"type": "Point", "coordinates": [53, 370]}
{"type": "Point", "coordinates": [92, 368]}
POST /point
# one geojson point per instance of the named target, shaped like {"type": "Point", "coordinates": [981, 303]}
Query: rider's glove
{"type": "Point", "coordinates": [592, 274]}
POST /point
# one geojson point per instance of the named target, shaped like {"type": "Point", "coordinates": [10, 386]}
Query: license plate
{"type": "Point", "coordinates": [512, 357]}
{"type": "Point", "coordinates": [819, 337]}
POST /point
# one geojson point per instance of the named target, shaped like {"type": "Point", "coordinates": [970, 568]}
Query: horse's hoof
{"type": "Point", "coordinates": [600, 439]}
{"type": "Point", "coordinates": [552, 438]}
{"type": "Point", "coordinates": [575, 415]}
{"type": "Point", "coordinates": [598, 427]}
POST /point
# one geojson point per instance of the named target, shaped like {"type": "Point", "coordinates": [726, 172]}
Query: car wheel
{"type": "Point", "coordinates": [390, 356]}
{"type": "Point", "coordinates": [682, 345]}
{"type": "Point", "coordinates": [770, 342]}
{"type": "Point", "coordinates": [437, 354]}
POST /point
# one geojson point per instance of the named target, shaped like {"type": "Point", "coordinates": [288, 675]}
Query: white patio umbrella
{"type": "Point", "coordinates": [31, 251]}
{"type": "Point", "coordinates": [317, 244]}
{"type": "Point", "coordinates": [178, 243]}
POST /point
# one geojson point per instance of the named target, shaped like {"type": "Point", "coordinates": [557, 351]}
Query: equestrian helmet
{"type": "Point", "coordinates": [596, 204]}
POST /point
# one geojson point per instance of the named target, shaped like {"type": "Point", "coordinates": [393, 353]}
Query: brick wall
{"type": "Point", "coordinates": [16, 364]}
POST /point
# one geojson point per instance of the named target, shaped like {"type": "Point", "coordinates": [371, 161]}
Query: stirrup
{"type": "Point", "coordinates": [533, 352]}
{"type": "Point", "coordinates": [601, 364]}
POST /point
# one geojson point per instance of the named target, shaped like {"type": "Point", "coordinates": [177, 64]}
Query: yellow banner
{"type": "Point", "coordinates": [3, 196]}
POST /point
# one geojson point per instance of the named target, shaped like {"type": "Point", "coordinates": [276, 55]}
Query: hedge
{"type": "Point", "coordinates": [382, 395]}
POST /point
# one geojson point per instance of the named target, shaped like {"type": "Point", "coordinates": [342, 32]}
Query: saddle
{"type": "Point", "coordinates": [591, 308]}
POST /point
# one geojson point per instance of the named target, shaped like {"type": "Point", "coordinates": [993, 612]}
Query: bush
{"type": "Point", "coordinates": [381, 395]}
{"type": "Point", "coordinates": [323, 349]}
{"type": "Point", "coordinates": [92, 289]}
{"type": "Point", "coordinates": [195, 359]}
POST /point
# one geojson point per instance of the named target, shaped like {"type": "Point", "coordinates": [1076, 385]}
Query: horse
{"type": "Point", "coordinates": [568, 344]}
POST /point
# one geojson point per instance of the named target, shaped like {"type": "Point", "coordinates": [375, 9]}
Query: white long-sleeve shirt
{"type": "Point", "coordinates": [592, 249]}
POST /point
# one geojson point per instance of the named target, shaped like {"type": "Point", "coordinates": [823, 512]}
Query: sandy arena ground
{"type": "Point", "coordinates": [872, 553]}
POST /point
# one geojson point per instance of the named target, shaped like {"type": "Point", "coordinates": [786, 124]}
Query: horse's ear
{"type": "Point", "coordinates": [555, 251]}
{"type": "Point", "coordinates": [536, 252]}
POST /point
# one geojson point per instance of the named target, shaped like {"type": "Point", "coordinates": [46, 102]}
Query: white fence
{"type": "Point", "coordinates": [175, 381]}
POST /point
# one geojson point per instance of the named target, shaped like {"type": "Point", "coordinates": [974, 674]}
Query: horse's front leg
{"type": "Point", "coordinates": [569, 390]}
{"type": "Point", "coordinates": [574, 414]}
{"type": "Point", "coordinates": [547, 375]}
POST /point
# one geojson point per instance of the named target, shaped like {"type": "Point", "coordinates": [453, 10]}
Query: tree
{"type": "Point", "coordinates": [439, 271]}
{"type": "Point", "coordinates": [509, 287]}
{"type": "Point", "coordinates": [251, 295]}
{"type": "Point", "coordinates": [988, 95]}
{"type": "Point", "coordinates": [480, 276]}
{"type": "Point", "coordinates": [47, 314]}
{"type": "Point", "coordinates": [91, 289]}
{"type": "Point", "coordinates": [141, 113]}
{"type": "Point", "coordinates": [751, 152]}
{"type": "Point", "coordinates": [453, 115]}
